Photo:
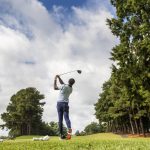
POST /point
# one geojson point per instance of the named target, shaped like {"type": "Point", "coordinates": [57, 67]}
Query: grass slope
{"type": "Point", "coordinates": [105, 141]}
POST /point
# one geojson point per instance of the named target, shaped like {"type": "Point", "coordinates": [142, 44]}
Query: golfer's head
{"type": "Point", "coordinates": [71, 81]}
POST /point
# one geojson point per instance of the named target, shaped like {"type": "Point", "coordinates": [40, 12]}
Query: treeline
{"type": "Point", "coordinates": [24, 112]}
{"type": "Point", "coordinates": [92, 128]}
{"type": "Point", "coordinates": [23, 115]}
{"type": "Point", "coordinates": [124, 102]}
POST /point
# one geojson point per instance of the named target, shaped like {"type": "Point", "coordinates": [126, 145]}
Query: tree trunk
{"type": "Point", "coordinates": [29, 128]}
{"type": "Point", "coordinates": [131, 124]}
{"type": "Point", "coordinates": [108, 126]}
{"type": "Point", "coordinates": [136, 125]}
{"type": "Point", "coordinates": [22, 129]}
{"type": "Point", "coordinates": [124, 129]}
{"type": "Point", "coordinates": [142, 127]}
{"type": "Point", "coordinates": [148, 115]}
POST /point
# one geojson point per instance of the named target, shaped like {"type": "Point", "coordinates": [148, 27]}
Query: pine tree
{"type": "Point", "coordinates": [129, 92]}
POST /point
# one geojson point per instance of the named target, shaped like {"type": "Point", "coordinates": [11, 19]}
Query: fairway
{"type": "Point", "coordinates": [104, 141]}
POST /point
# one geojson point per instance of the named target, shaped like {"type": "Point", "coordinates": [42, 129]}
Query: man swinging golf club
{"type": "Point", "coordinates": [62, 105]}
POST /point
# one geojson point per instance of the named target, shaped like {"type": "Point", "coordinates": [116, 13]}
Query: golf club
{"type": "Point", "coordinates": [78, 71]}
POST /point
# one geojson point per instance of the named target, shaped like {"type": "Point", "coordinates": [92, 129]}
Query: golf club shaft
{"type": "Point", "coordinates": [67, 72]}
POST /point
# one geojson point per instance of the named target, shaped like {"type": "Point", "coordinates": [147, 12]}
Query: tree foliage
{"type": "Point", "coordinates": [24, 112]}
{"type": "Point", "coordinates": [124, 103]}
{"type": "Point", "coordinates": [93, 127]}
{"type": "Point", "coordinates": [51, 129]}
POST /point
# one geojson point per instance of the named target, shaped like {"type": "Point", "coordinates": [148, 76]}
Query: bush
{"type": "Point", "coordinates": [94, 128]}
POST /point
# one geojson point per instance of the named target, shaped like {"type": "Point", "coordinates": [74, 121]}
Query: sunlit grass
{"type": "Point", "coordinates": [105, 141]}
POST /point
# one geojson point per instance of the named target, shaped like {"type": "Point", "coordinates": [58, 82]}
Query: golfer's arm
{"type": "Point", "coordinates": [55, 84]}
{"type": "Point", "coordinates": [60, 80]}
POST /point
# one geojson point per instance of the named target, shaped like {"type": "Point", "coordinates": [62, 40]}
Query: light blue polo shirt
{"type": "Point", "coordinates": [65, 91]}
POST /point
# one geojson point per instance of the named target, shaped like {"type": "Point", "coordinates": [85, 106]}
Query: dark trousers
{"type": "Point", "coordinates": [63, 110]}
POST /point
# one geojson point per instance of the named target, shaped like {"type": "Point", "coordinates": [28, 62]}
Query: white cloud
{"type": "Point", "coordinates": [85, 44]}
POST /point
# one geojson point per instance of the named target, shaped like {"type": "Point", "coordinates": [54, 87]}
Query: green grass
{"type": "Point", "coordinates": [105, 141]}
{"type": "Point", "coordinates": [26, 137]}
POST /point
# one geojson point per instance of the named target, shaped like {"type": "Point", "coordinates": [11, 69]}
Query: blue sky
{"type": "Point", "coordinates": [68, 4]}
{"type": "Point", "coordinates": [66, 11]}
{"type": "Point", "coordinates": [65, 3]}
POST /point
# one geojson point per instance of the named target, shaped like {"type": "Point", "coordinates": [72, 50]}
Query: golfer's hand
{"type": "Point", "coordinates": [57, 76]}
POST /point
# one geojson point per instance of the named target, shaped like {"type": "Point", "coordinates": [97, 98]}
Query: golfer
{"type": "Point", "coordinates": [62, 105]}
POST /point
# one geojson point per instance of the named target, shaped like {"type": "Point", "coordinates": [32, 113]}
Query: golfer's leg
{"type": "Point", "coordinates": [66, 116]}
{"type": "Point", "coordinates": [60, 118]}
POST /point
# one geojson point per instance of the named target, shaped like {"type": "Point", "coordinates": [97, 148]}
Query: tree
{"type": "Point", "coordinates": [128, 95]}
{"type": "Point", "coordinates": [24, 112]}
{"type": "Point", "coordinates": [55, 128]}
{"type": "Point", "coordinates": [93, 127]}
{"type": "Point", "coordinates": [82, 133]}
{"type": "Point", "coordinates": [50, 129]}
{"type": "Point", "coordinates": [103, 105]}
{"type": "Point", "coordinates": [77, 133]}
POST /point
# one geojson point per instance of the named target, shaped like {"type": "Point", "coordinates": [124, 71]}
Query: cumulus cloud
{"type": "Point", "coordinates": [36, 45]}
